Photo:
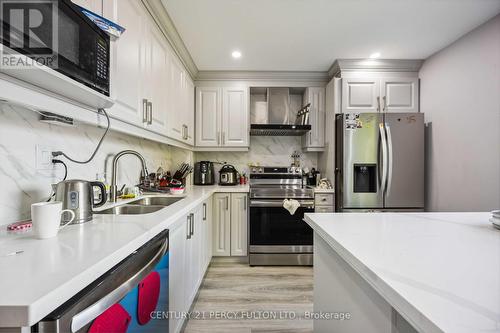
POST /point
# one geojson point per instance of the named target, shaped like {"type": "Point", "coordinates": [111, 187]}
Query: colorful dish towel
{"type": "Point", "coordinates": [291, 205]}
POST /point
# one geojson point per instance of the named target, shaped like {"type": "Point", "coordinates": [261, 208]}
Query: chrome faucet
{"type": "Point", "coordinates": [114, 187]}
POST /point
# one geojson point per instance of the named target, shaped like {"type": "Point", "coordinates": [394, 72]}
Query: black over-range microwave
{"type": "Point", "coordinates": [48, 30]}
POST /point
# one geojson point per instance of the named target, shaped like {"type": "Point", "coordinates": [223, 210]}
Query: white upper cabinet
{"type": "Point", "coordinates": [126, 71]}
{"type": "Point", "coordinates": [150, 84]}
{"type": "Point", "coordinates": [181, 106]}
{"type": "Point", "coordinates": [188, 114]}
{"type": "Point", "coordinates": [208, 106]}
{"type": "Point", "coordinates": [315, 138]}
{"type": "Point", "coordinates": [155, 86]}
{"type": "Point", "coordinates": [380, 94]}
{"type": "Point", "coordinates": [235, 117]}
{"type": "Point", "coordinates": [399, 94]}
{"type": "Point", "coordinates": [222, 117]}
{"type": "Point", "coordinates": [92, 5]}
{"type": "Point", "coordinates": [175, 87]}
{"type": "Point", "coordinates": [360, 95]}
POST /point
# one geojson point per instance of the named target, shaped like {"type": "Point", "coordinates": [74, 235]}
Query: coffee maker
{"type": "Point", "coordinates": [204, 173]}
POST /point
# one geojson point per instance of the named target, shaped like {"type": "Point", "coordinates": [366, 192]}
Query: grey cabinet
{"type": "Point", "coordinates": [314, 140]}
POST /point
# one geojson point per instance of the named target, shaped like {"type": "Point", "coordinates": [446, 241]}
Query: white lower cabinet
{"type": "Point", "coordinates": [206, 226]}
{"type": "Point", "coordinates": [188, 261]}
{"type": "Point", "coordinates": [230, 224]}
{"type": "Point", "coordinates": [222, 225]}
{"type": "Point", "coordinates": [176, 275]}
{"type": "Point", "coordinates": [239, 213]}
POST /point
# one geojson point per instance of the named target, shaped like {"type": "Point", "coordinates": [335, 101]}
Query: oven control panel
{"type": "Point", "coordinates": [275, 170]}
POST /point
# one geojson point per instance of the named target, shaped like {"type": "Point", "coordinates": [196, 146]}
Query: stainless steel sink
{"type": "Point", "coordinates": [156, 201]}
{"type": "Point", "coordinates": [130, 210]}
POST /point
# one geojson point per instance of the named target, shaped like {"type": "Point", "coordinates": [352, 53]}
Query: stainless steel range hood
{"type": "Point", "coordinates": [275, 114]}
{"type": "Point", "coordinates": [278, 130]}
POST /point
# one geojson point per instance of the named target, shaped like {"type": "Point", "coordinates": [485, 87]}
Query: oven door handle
{"type": "Point", "coordinates": [274, 203]}
{"type": "Point", "coordinates": [92, 312]}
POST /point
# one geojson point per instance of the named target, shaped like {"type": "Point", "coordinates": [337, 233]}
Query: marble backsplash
{"type": "Point", "coordinates": [264, 150]}
{"type": "Point", "coordinates": [22, 184]}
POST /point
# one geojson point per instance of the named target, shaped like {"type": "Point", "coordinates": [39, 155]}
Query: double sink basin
{"type": "Point", "coordinates": [141, 206]}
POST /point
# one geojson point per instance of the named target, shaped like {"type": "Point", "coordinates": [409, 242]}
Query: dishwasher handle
{"type": "Point", "coordinates": [92, 312]}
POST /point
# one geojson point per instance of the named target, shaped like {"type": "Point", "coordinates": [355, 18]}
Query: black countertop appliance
{"type": "Point", "coordinates": [204, 173]}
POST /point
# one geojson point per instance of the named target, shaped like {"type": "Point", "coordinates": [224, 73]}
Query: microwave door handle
{"type": "Point", "coordinates": [389, 158]}
{"type": "Point", "coordinates": [384, 157]}
{"type": "Point", "coordinates": [92, 312]}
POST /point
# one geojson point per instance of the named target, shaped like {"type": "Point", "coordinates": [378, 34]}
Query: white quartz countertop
{"type": "Point", "coordinates": [440, 271]}
{"type": "Point", "coordinates": [51, 271]}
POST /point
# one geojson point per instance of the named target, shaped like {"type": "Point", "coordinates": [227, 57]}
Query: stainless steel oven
{"type": "Point", "coordinates": [277, 237]}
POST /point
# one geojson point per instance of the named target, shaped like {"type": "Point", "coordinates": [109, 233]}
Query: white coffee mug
{"type": "Point", "coordinates": [46, 218]}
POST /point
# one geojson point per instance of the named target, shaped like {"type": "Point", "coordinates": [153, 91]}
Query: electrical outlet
{"type": "Point", "coordinates": [43, 158]}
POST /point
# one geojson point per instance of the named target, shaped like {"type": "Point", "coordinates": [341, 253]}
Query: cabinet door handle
{"type": "Point", "coordinates": [244, 203]}
{"type": "Point", "coordinates": [192, 224]}
{"type": "Point", "coordinates": [144, 110]}
{"type": "Point", "coordinates": [218, 138]}
{"type": "Point", "coordinates": [378, 103]}
{"type": "Point", "coordinates": [385, 104]}
{"type": "Point", "coordinates": [223, 138]}
{"type": "Point", "coordinates": [227, 202]}
{"type": "Point", "coordinates": [150, 113]}
{"type": "Point", "coordinates": [204, 211]}
{"type": "Point", "coordinates": [188, 228]}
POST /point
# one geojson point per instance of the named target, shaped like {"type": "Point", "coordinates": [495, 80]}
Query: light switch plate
{"type": "Point", "coordinates": [43, 158]}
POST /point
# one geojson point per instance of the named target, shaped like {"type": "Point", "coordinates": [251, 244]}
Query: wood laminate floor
{"type": "Point", "coordinates": [253, 299]}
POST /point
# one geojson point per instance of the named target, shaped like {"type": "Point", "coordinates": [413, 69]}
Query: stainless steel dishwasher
{"type": "Point", "coordinates": [131, 297]}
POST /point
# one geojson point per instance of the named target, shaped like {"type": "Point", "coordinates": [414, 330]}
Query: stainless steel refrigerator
{"type": "Point", "coordinates": [379, 160]}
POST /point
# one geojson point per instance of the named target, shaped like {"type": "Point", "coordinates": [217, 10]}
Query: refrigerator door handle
{"type": "Point", "coordinates": [384, 157]}
{"type": "Point", "coordinates": [390, 157]}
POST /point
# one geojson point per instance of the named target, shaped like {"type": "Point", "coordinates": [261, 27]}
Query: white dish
{"type": "Point", "coordinates": [496, 213]}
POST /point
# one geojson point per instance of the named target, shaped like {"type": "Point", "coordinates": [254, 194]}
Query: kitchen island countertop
{"type": "Point", "coordinates": [440, 271]}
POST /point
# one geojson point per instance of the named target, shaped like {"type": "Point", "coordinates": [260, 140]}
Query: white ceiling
{"type": "Point", "coordinates": [308, 35]}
